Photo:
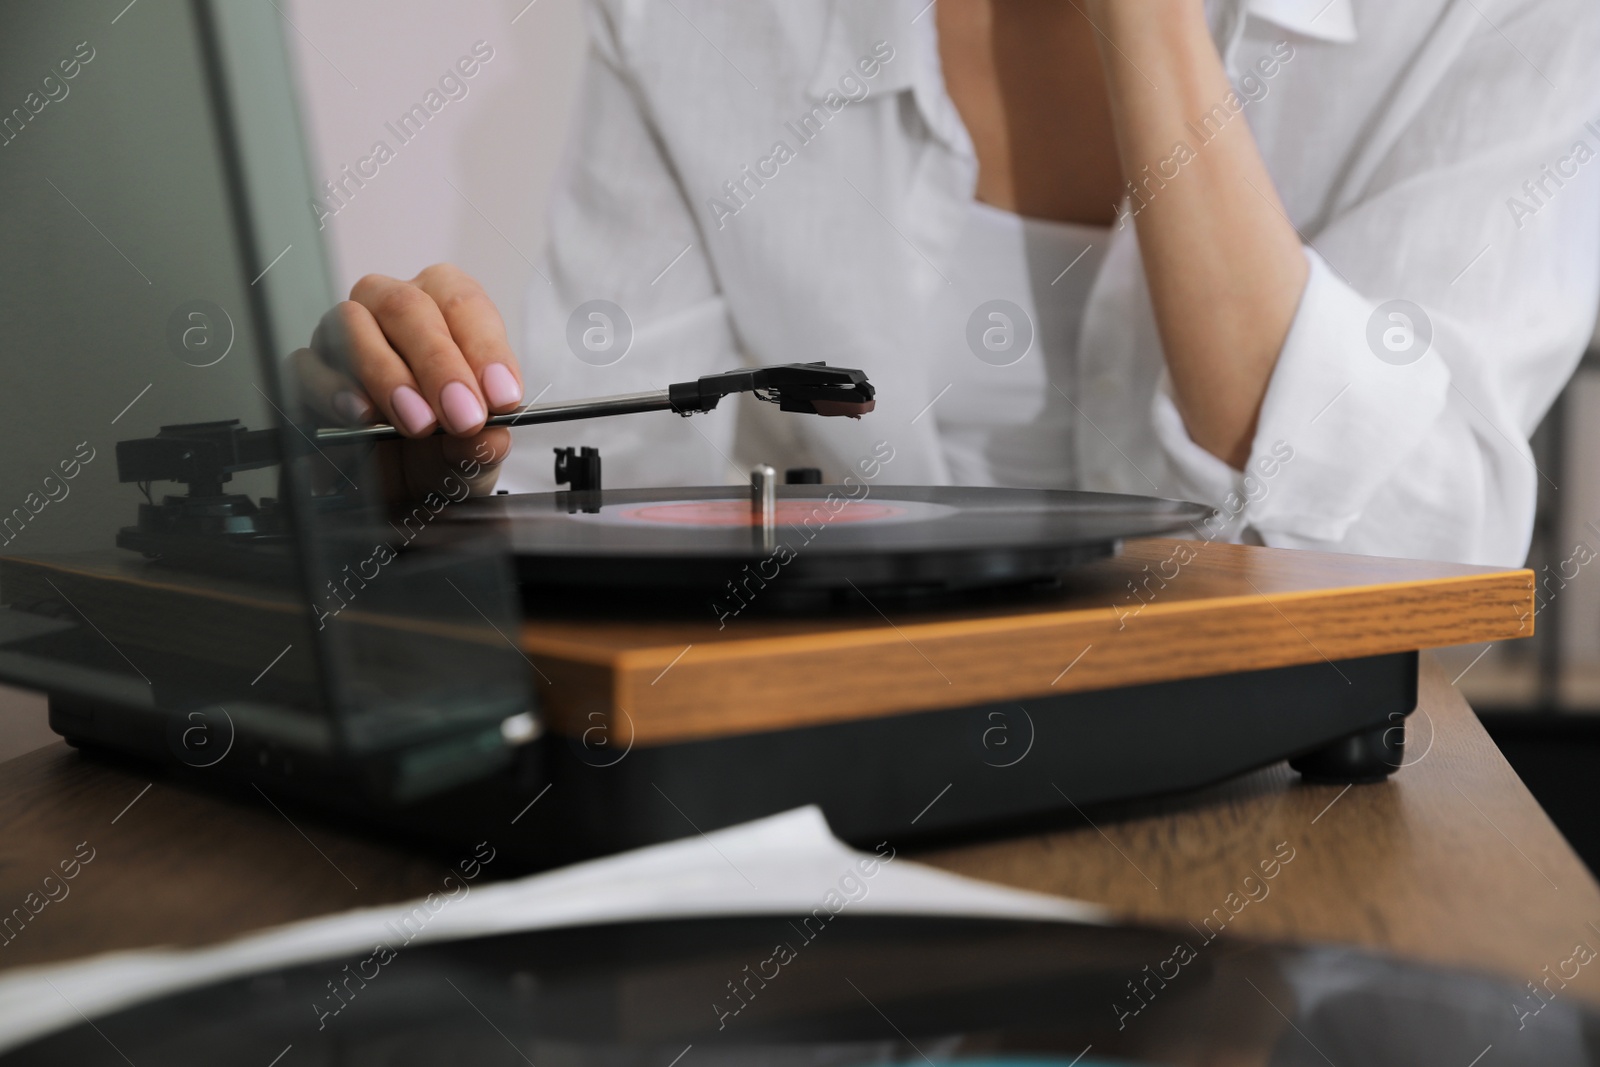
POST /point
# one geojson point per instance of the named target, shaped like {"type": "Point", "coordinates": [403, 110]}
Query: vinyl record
{"type": "Point", "coordinates": [824, 537]}
{"type": "Point", "coordinates": [849, 990]}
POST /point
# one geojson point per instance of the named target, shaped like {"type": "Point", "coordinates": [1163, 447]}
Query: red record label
{"type": "Point", "coordinates": [740, 513]}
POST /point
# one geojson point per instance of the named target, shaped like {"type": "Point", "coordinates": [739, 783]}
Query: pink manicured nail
{"type": "Point", "coordinates": [413, 412]}
{"type": "Point", "coordinates": [462, 409]}
{"type": "Point", "coordinates": [351, 407]}
{"type": "Point", "coordinates": [500, 386]}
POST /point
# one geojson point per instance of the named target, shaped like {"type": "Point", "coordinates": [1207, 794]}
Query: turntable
{"type": "Point", "coordinates": [917, 661]}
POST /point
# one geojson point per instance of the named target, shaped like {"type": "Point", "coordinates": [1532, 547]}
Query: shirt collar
{"type": "Point", "coordinates": [1325, 20]}
{"type": "Point", "coordinates": [857, 30]}
{"type": "Point", "coordinates": [855, 27]}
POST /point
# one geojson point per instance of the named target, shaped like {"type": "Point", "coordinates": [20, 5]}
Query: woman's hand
{"type": "Point", "coordinates": [420, 354]}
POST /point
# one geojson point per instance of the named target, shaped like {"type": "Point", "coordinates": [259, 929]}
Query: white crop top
{"type": "Point", "coordinates": [1005, 348]}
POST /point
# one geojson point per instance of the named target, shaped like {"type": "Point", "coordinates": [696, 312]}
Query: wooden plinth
{"type": "Point", "coordinates": [1161, 611]}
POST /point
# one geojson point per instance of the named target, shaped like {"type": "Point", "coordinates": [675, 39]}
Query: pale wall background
{"type": "Point", "coordinates": [362, 63]}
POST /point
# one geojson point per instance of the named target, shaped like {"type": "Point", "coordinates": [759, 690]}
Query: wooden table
{"type": "Point", "coordinates": [1452, 861]}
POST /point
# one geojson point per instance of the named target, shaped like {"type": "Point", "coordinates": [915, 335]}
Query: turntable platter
{"type": "Point", "coordinates": [823, 539]}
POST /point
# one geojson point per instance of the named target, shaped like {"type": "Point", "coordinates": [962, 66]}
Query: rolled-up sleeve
{"type": "Point", "coordinates": [1448, 301]}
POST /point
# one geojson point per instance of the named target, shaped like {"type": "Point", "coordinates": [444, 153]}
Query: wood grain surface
{"type": "Point", "coordinates": [1162, 610]}
{"type": "Point", "coordinates": [170, 866]}
{"type": "Point", "coordinates": [1451, 862]}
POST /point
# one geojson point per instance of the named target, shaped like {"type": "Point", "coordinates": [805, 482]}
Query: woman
{"type": "Point", "coordinates": [1321, 263]}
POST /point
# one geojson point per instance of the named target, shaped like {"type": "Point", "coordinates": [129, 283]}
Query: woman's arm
{"type": "Point", "coordinates": [1424, 456]}
{"type": "Point", "coordinates": [1224, 264]}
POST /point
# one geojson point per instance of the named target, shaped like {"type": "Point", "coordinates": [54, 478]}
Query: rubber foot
{"type": "Point", "coordinates": [1370, 756]}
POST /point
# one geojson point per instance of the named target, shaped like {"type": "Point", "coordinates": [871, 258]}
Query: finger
{"type": "Point", "coordinates": [415, 328]}
{"type": "Point", "coordinates": [479, 332]}
{"type": "Point", "coordinates": [331, 339]}
{"type": "Point", "coordinates": [478, 459]}
{"type": "Point", "coordinates": [350, 336]}
{"type": "Point", "coordinates": [450, 469]}
{"type": "Point", "coordinates": [335, 398]}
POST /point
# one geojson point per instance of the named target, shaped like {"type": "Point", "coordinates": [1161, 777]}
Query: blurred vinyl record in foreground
{"type": "Point", "coordinates": [848, 991]}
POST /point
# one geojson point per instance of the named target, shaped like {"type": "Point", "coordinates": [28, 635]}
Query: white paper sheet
{"type": "Point", "coordinates": [785, 864]}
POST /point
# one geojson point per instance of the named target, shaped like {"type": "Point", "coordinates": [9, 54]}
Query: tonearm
{"type": "Point", "coordinates": [806, 388]}
{"type": "Point", "coordinates": [204, 456]}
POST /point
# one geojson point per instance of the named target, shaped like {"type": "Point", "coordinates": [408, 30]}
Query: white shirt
{"type": "Point", "coordinates": [1407, 141]}
{"type": "Point", "coordinates": [1006, 342]}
